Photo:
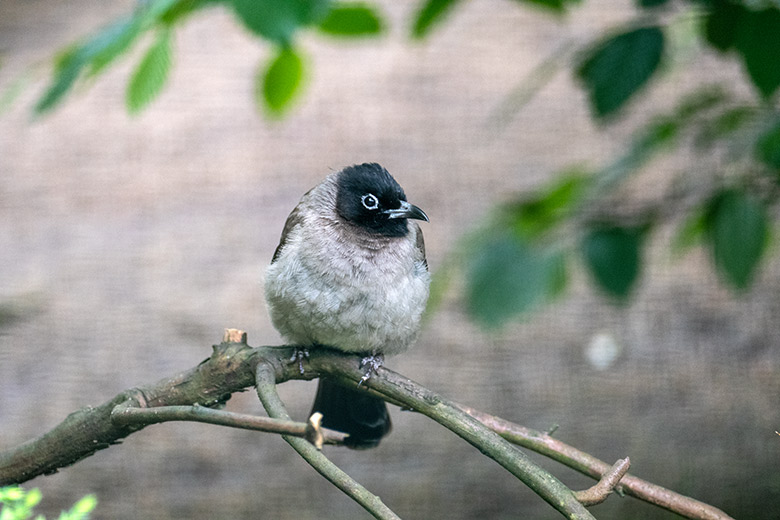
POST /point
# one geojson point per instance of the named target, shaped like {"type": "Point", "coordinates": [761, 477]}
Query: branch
{"type": "Point", "coordinates": [589, 465]}
{"type": "Point", "coordinates": [82, 433]}
{"type": "Point", "coordinates": [420, 399]}
{"type": "Point", "coordinates": [266, 391]}
{"type": "Point", "coordinates": [127, 415]}
{"type": "Point", "coordinates": [599, 492]}
{"type": "Point", "coordinates": [231, 368]}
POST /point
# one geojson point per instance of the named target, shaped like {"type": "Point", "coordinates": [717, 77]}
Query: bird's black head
{"type": "Point", "coordinates": [369, 197]}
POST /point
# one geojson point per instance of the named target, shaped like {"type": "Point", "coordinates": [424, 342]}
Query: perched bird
{"type": "Point", "coordinates": [350, 274]}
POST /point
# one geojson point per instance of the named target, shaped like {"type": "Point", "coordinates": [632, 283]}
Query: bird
{"type": "Point", "coordinates": [350, 274]}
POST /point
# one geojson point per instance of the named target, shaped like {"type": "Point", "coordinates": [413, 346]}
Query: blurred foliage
{"type": "Point", "coordinates": [619, 66]}
{"type": "Point", "coordinates": [280, 82]}
{"type": "Point", "coordinates": [18, 504]}
{"type": "Point", "coordinates": [277, 22]}
{"type": "Point", "coordinates": [519, 258]}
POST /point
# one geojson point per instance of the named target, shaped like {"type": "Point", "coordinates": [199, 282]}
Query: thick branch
{"type": "Point", "coordinates": [85, 431]}
{"type": "Point", "coordinates": [266, 391]}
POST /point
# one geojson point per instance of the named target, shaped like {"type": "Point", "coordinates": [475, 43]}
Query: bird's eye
{"type": "Point", "coordinates": [370, 201]}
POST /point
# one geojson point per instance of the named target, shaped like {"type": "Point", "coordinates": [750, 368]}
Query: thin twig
{"type": "Point", "coordinates": [266, 391]}
{"type": "Point", "coordinates": [590, 465]}
{"type": "Point", "coordinates": [128, 415]}
{"type": "Point", "coordinates": [599, 492]}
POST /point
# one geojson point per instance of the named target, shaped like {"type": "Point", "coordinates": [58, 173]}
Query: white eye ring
{"type": "Point", "coordinates": [369, 201]}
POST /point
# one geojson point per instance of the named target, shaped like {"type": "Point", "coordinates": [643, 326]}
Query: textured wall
{"type": "Point", "coordinates": [128, 244]}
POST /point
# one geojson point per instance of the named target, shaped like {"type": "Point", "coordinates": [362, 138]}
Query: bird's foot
{"type": "Point", "coordinates": [299, 355]}
{"type": "Point", "coordinates": [371, 364]}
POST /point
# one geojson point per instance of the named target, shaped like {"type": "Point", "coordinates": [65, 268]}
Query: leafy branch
{"type": "Point", "coordinates": [521, 257]}
{"type": "Point", "coordinates": [234, 366]}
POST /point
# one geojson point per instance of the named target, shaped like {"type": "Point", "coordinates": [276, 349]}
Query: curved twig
{"type": "Point", "coordinates": [599, 492]}
{"type": "Point", "coordinates": [266, 391]}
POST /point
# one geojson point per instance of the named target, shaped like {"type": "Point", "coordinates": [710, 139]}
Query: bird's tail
{"type": "Point", "coordinates": [364, 417]}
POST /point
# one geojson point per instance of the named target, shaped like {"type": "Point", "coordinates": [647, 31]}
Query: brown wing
{"type": "Point", "coordinates": [292, 220]}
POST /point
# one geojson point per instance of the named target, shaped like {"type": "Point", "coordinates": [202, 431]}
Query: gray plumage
{"type": "Point", "coordinates": [337, 284]}
{"type": "Point", "coordinates": [350, 274]}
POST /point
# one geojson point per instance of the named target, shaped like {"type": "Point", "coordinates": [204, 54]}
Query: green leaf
{"type": "Point", "coordinates": [151, 74]}
{"type": "Point", "coordinates": [81, 509]}
{"type": "Point", "coordinates": [758, 41]}
{"type": "Point", "coordinates": [612, 254]}
{"type": "Point", "coordinates": [723, 124]}
{"type": "Point", "coordinates": [431, 13]}
{"type": "Point", "coordinates": [619, 66]}
{"type": "Point", "coordinates": [111, 43]}
{"type": "Point", "coordinates": [352, 20]}
{"type": "Point", "coordinates": [508, 277]}
{"type": "Point", "coordinates": [277, 20]}
{"type": "Point", "coordinates": [722, 24]}
{"type": "Point", "coordinates": [532, 217]}
{"type": "Point", "coordinates": [690, 232]}
{"type": "Point", "coordinates": [768, 147]}
{"type": "Point", "coordinates": [98, 51]}
{"type": "Point", "coordinates": [738, 232]}
{"type": "Point", "coordinates": [280, 82]}
{"type": "Point", "coordinates": [183, 8]}
{"type": "Point", "coordinates": [700, 101]}
{"type": "Point", "coordinates": [553, 5]}
{"type": "Point", "coordinates": [650, 3]}
{"type": "Point", "coordinates": [33, 498]}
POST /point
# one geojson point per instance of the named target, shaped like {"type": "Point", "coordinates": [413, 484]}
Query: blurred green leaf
{"type": "Point", "coordinates": [151, 74]}
{"type": "Point", "coordinates": [538, 214]}
{"type": "Point", "coordinates": [690, 232]}
{"type": "Point", "coordinates": [81, 509]}
{"type": "Point", "coordinates": [618, 67]}
{"type": "Point", "coordinates": [701, 100]}
{"type": "Point", "coordinates": [722, 24]}
{"type": "Point", "coordinates": [183, 8]}
{"type": "Point", "coordinates": [738, 232]}
{"type": "Point", "coordinates": [280, 82]}
{"type": "Point", "coordinates": [431, 13]}
{"type": "Point", "coordinates": [98, 51]}
{"type": "Point", "coordinates": [650, 3]}
{"type": "Point", "coordinates": [352, 20]}
{"type": "Point", "coordinates": [507, 277]}
{"type": "Point", "coordinates": [554, 5]}
{"type": "Point", "coordinates": [768, 147]}
{"type": "Point", "coordinates": [67, 71]}
{"type": "Point", "coordinates": [278, 20]}
{"type": "Point", "coordinates": [612, 254]}
{"type": "Point", "coordinates": [112, 42]}
{"type": "Point", "coordinates": [722, 125]}
{"type": "Point", "coordinates": [758, 41]}
{"type": "Point", "coordinates": [11, 92]}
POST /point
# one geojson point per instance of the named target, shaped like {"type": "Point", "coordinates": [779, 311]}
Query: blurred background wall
{"type": "Point", "coordinates": [127, 244]}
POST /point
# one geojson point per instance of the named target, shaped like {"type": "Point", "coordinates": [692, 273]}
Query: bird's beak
{"type": "Point", "coordinates": [407, 211]}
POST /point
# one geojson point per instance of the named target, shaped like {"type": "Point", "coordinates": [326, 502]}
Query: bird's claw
{"type": "Point", "coordinates": [299, 355]}
{"type": "Point", "coordinates": [371, 364]}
